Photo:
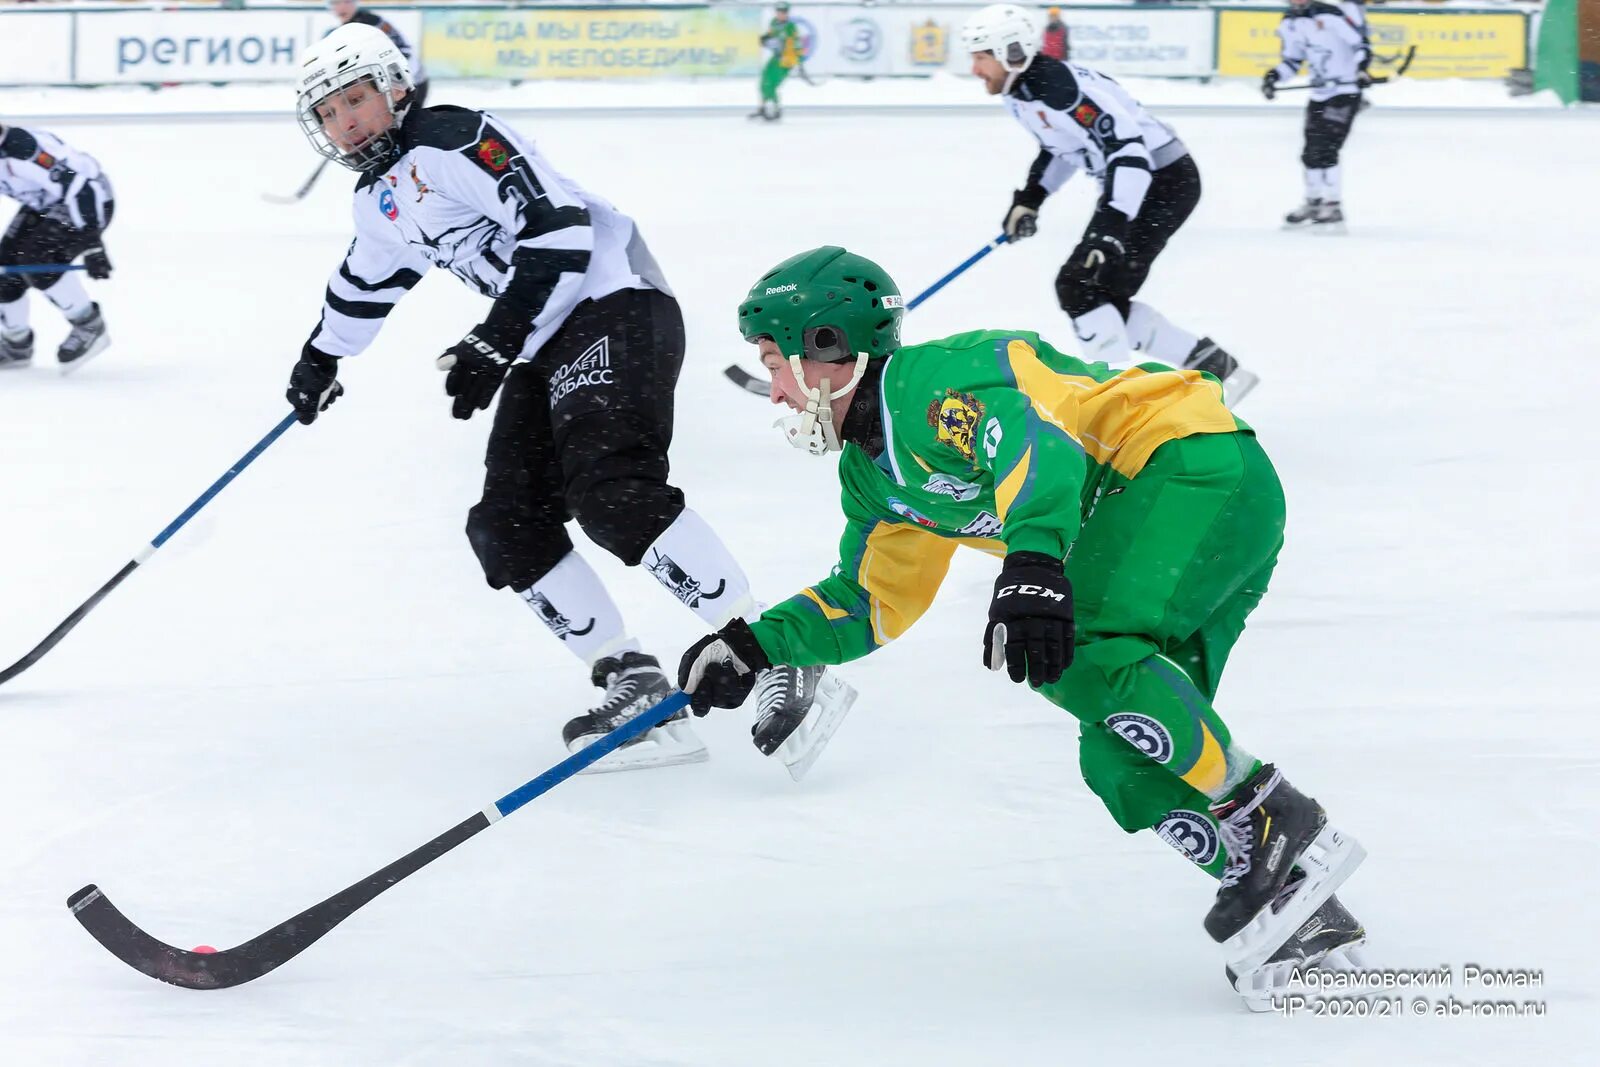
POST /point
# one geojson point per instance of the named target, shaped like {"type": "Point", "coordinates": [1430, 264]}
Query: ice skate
{"type": "Point", "coordinates": [1302, 216]}
{"type": "Point", "coordinates": [1210, 357]}
{"type": "Point", "coordinates": [797, 711]}
{"type": "Point", "coordinates": [1331, 940]}
{"type": "Point", "coordinates": [16, 349]}
{"type": "Point", "coordinates": [1329, 220]}
{"type": "Point", "coordinates": [1268, 828]}
{"type": "Point", "coordinates": [633, 683]}
{"type": "Point", "coordinates": [87, 340]}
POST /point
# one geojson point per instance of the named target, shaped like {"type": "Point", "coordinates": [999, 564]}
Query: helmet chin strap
{"type": "Point", "coordinates": [814, 431]}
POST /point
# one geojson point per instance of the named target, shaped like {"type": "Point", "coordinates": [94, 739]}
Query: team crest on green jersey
{"type": "Point", "coordinates": [955, 420]}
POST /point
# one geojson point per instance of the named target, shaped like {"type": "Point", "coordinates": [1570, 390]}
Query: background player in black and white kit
{"type": "Point", "coordinates": [1083, 120]}
{"type": "Point", "coordinates": [587, 339]}
{"type": "Point", "coordinates": [347, 11]}
{"type": "Point", "coordinates": [66, 206]}
{"type": "Point", "coordinates": [1331, 40]}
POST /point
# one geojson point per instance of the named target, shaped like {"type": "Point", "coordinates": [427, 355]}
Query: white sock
{"type": "Point", "coordinates": [573, 603]}
{"type": "Point", "coordinates": [14, 316]}
{"type": "Point", "coordinates": [693, 564]}
{"type": "Point", "coordinates": [1103, 335]}
{"type": "Point", "coordinates": [1332, 181]}
{"type": "Point", "coordinates": [1149, 332]}
{"type": "Point", "coordinates": [68, 295]}
{"type": "Point", "coordinates": [1313, 183]}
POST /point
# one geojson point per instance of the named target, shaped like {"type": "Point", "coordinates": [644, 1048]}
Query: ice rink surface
{"type": "Point", "coordinates": [312, 678]}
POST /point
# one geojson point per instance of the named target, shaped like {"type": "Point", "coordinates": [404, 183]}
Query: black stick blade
{"type": "Point", "coordinates": [191, 970]}
{"type": "Point", "coordinates": [249, 961]}
{"type": "Point", "coordinates": [745, 380]}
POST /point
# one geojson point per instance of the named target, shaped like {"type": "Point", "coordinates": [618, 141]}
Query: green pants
{"type": "Point", "coordinates": [772, 76]}
{"type": "Point", "coordinates": [1167, 567]}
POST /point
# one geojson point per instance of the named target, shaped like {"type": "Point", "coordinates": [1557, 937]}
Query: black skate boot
{"type": "Point", "coordinates": [16, 350]}
{"type": "Point", "coordinates": [87, 340]}
{"type": "Point", "coordinates": [1329, 219]}
{"type": "Point", "coordinates": [797, 711]}
{"type": "Point", "coordinates": [1268, 828]}
{"type": "Point", "coordinates": [1330, 941]}
{"type": "Point", "coordinates": [1303, 215]}
{"type": "Point", "coordinates": [1265, 827]}
{"type": "Point", "coordinates": [633, 683]}
{"type": "Point", "coordinates": [1210, 357]}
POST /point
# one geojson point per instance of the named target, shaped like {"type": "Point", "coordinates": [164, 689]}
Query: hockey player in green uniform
{"type": "Point", "coordinates": [1138, 521]}
{"type": "Point", "coordinates": [783, 39]}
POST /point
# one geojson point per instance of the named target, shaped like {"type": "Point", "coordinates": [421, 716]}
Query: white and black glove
{"type": "Point", "coordinates": [1102, 255]}
{"type": "Point", "coordinates": [719, 670]}
{"type": "Point", "coordinates": [1030, 630]}
{"type": "Point", "coordinates": [313, 384]}
{"type": "Point", "coordinates": [477, 365]}
{"type": "Point", "coordinates": [1023, 218]}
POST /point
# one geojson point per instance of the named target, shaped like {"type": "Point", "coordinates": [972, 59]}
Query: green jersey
{"type": "Point", "coordinates": [991, 439]}
{"type": "Point", "coordinates": [783, 37]}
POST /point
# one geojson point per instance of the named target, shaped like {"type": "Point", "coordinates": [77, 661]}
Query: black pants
{"type": "Point", "coordinates": [1174, 192]}
{"type": "Point", "coordinates": [1328, 123]}
{"type": "Point", "coordinates": [582, 433]}
{"type": "Point", "coordinates": [36, 238]}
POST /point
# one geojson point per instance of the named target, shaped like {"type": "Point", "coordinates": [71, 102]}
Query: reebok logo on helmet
{"type": "Point", "coordinates": [791, 287]}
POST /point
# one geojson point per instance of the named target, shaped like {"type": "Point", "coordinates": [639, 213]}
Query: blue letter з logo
{"type": "Point", "coordinates": [860, 40]}
{"type": "Point", "coordinates": [387, 205]}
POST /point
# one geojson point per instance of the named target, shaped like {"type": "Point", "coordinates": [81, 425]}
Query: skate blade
{"type": "Point", "coordinates": [15, 363]}
{"type": "Point", "coordinates": [1329, 229]}
{"type": "Point", "coordinates": [100, 345]}
{"type": "Point", "coordinates": [800, 750]}
{"type": "Point", "coordinates": [1238, 386]}
{"type": "Point", "coordinates": [668, 745]}
{"type": "Point", "coordinates": [1328, 861]}
{"type": "Point", "coordinates": [1271, 982]}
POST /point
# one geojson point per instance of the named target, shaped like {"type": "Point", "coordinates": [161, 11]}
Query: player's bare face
{"type": "Point", "coordinates": [783, 388]}
{"type": "Point", "coordinates": [343, 10]}
{"type": "Point", "coordinates": [354, 116]}
{"type": "Point", "coordinates": [987, 67]}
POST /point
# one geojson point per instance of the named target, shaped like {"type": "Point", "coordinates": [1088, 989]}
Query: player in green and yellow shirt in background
{"type": "Point", "coordinates": [1138, 521]}
{"type": "Point", "coordinates": [783, 40]}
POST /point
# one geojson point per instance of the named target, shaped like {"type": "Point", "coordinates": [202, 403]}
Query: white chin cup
{"type": "Point", "coordinates": [814, 430]}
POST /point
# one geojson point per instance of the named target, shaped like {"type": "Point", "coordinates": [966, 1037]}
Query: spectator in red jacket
{"type": "Point", "coordinates": [1055, 37]}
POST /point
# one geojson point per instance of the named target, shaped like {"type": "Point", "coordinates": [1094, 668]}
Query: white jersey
{"type": "Point", "coordinates": [1331, 40]}
{"type": "Point", "coordinates": [469, 195]}
{"type": "Point", "coordinates": [1083, 120]}
{"type": "Point", "coordinates": [49, 176]}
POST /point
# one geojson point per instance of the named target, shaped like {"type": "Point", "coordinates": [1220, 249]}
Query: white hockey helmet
{"type": "Point", "coordinates": [352, 54]}
{"type": "Point", "coordinates": [1012, 33]}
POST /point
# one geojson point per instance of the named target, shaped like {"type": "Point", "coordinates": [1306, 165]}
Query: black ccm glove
{"type": "Point", "coordinates": [1030, 630]}
{"type": "Point", "coordinates": [313, 384]}
{"type": "Point", "coordinates": [95, 263]}
{"type": "Point", "coordinates": [719, 670]}
{"type": "Point", "coordinates": [1269, 83]}
{"type": "Point", "coordinates": [477, 364]}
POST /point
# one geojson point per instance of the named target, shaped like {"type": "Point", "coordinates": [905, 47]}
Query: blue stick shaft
{"type": "Point", "coordinates": [54, 637]}
{"type": "Point", "coordinates": [41, 268]}
{"type": "Point", "coordinates": [221, 483]}
{"type": "Point", "coordinates": [587, 755]}
{"type": "Point", "coordinates": [953, 275]}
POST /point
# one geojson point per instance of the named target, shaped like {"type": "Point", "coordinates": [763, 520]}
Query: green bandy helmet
{"type": "Point", "coordinates": [831, 306]}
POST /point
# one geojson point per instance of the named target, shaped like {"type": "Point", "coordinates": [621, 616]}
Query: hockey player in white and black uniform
{"type": "Point", "coordinates": [1330, 39]}
{"type": "Point", "coordinates": [66, 206]}
{"type": "Point", "coordinates": [1084, 120]}
{"type": "Point", "coordinates": [585, 336]}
